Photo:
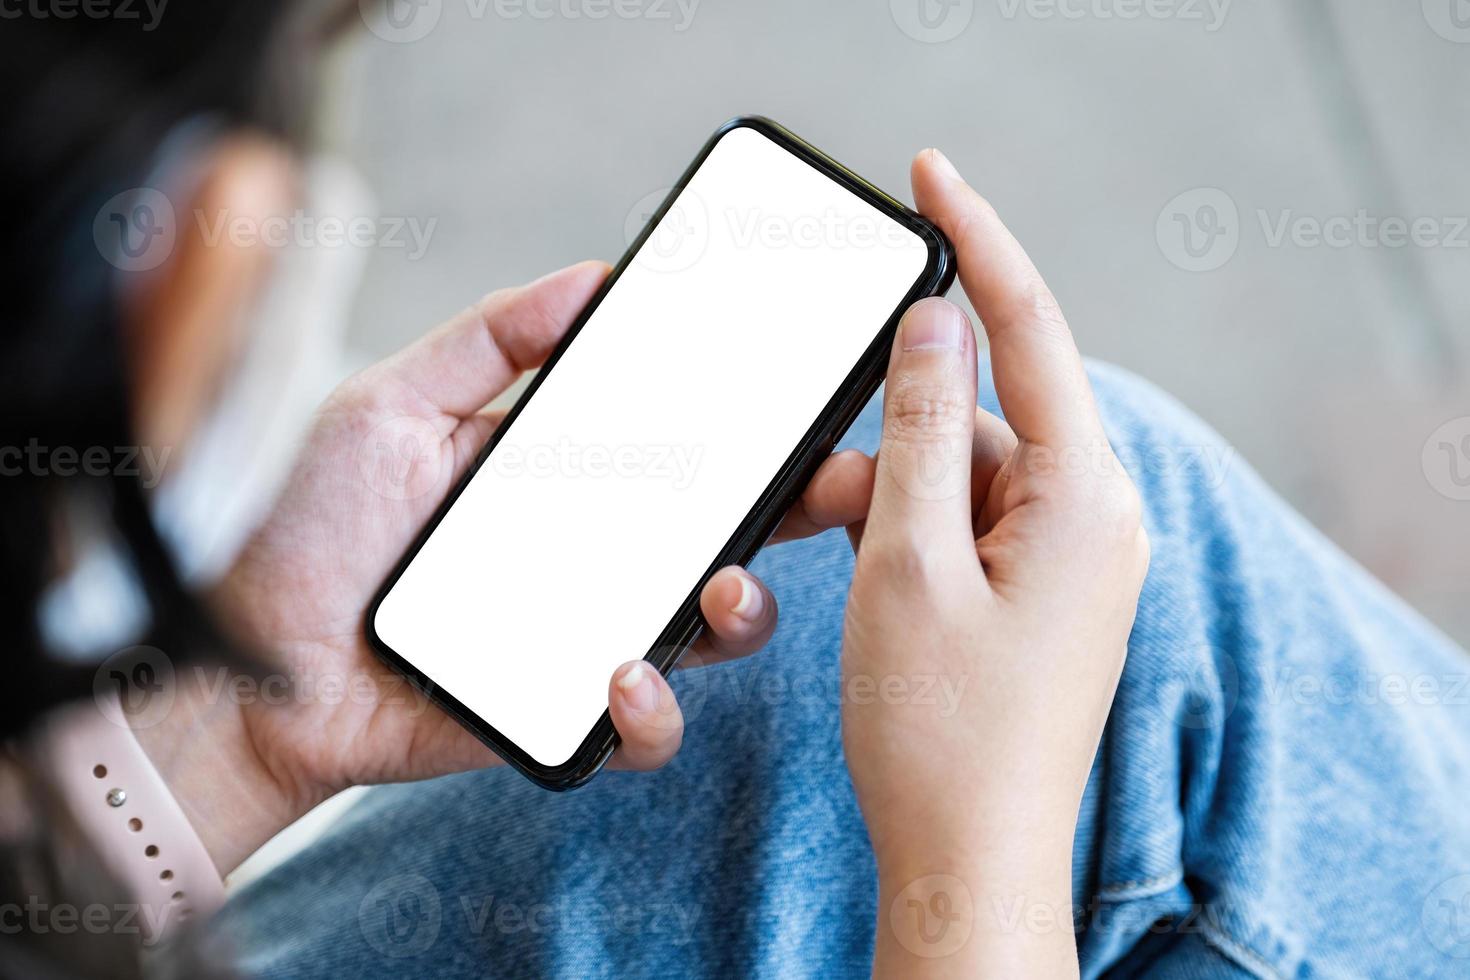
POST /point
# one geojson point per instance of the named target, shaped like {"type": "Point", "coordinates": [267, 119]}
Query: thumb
{"type": "Point", "coordinates": [464, 364]}
{"type": "Point", "coordinates": [921, 494]}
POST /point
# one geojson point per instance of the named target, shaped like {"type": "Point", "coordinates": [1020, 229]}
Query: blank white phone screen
{"type": "Point", "coordinates": [649, 442]}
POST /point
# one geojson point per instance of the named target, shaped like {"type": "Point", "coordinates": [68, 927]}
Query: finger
{"type": "Point", "coordinates": [471, 435]}
{"type": "Point", "coordinates": [459, 367]}
{"type": "Point", "coordinates": [1039, 377]}
{"type": "Point", "coordinates": [921, 490]}
{"type": "Point", "coordinates": [740, 612]}
{"type": "Point", "coordinates": [838, 495]}
{"type": "Point", "coordinates": [994, 444]}
{"type": "Point", "coordinates": [646, 715]}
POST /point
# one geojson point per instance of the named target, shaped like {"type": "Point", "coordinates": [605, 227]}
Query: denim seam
{"type": "Point", "coordinates": [1142, 888]}
{"type": "Point", "coordinates": [1222, 940]}
{"type": "Point", "coordinates": [1243, 954]}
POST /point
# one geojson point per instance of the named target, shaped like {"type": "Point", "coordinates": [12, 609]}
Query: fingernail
{"type": "Point", "coordinates": [934, 326]}
{"type": "Point", "coordinates": [750, 604]}
{"type": "Point", "coordinates": [637, 686]}
{"type": "Point", "coordinates": [942, 164]}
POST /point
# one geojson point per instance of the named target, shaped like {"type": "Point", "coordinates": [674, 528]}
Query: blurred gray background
{"type": "Point", "coordinates": [1105, 131]}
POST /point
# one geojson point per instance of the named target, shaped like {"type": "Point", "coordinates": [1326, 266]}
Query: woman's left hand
{"type": "Point", "coordinates": [384, 451]}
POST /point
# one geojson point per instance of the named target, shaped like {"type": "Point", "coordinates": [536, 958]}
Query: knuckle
{"type": "Point", "coordinates": [1119, 510]}
{"type": "Point", "coordinates": [919, 408]}
{"type": "Point", "coordinates": [901, 560]}
{"type": "Point", "coordinates": [1129, 506]}
{"type": "Point", "coordinates": [374, 393]}
{"type": "Point", "coordinates": [971, 227]}
{"type": "Point", "coordinates": [1108, 511]}
{"type": "Point", "coordinates": [1042, 308]}
{"type": "Point", "coordinates": [490, 304]}
{"type": "Point", "coordinates": [355, 393]}
{"type": "Point", "coordinates": [1034, 309]}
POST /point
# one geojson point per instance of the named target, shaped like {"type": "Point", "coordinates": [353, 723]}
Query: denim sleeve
{"type": "Point", "coordinates": [1281, 790]}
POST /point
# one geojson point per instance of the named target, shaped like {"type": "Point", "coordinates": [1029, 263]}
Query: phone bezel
{"type": "Point", "coordinates": [751, 534]}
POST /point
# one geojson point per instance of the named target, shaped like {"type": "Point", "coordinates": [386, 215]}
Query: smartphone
{"type": "Point", "coordinates": [673, 426]}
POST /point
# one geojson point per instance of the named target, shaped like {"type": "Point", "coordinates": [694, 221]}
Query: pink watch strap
{"type": "Point", "coordinates": [127, 811]}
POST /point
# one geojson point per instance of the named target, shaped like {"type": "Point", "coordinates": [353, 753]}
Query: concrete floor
{"type": "Point", "coordinates": [528, 129]}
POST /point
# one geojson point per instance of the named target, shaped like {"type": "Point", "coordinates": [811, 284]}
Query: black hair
{"type": "Point", "coordinates": [89, 100]}
{"type": "Point", "coordinates": [92, 91]}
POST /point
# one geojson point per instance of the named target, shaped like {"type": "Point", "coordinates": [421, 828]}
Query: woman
{"type": "Point", "coordinates": [1012, 588]}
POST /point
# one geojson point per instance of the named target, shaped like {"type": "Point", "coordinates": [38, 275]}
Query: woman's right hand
{"type": "Point", "coordinates": [1000, 563]}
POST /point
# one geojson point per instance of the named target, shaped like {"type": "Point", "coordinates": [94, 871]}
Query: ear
{"type": "Point", "coordinates": [183, 321]}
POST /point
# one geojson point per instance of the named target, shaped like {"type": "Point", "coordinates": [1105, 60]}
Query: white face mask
{"type": "Point", "coordinates": [221, 485]}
